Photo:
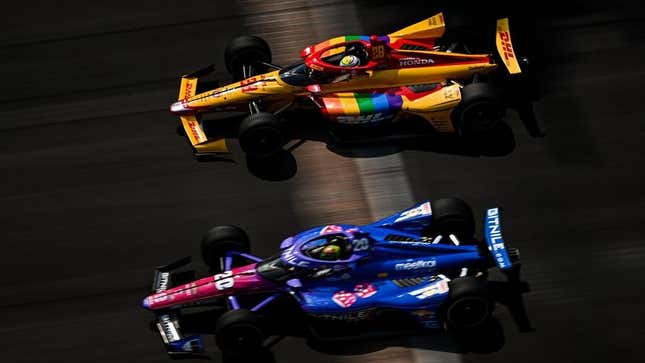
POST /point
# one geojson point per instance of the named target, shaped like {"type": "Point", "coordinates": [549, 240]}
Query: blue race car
{"type": "Point", "coordinates": [423, 264]}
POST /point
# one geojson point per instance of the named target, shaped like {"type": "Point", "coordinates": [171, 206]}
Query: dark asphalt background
{"type": "Point", "coordinates": [97, 188]}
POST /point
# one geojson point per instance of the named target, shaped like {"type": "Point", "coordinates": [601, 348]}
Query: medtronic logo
{"type": "Point", "coordinates": [415, 265]}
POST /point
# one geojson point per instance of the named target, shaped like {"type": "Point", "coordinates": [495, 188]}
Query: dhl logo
{"type": "Point", "coordinates": [188, 90]}
{"type": "Point", "coordinates": [192, 125]}
{"type": "Point", "coordinates": [506, 45]}
{"type": "Point", "coordinates": [249, 85]}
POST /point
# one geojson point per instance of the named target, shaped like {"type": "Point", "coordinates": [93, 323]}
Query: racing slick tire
{"type": "Point", "coordinates": [479, 111]}
{"type": "Point", "coordinates": [469, 305]}
{"type": "Point", "coordinates": [239, 333]}
{"type": "Point", "coordinates": [246, 50]}
{"type": "Point", "coordinates": [221, 239]}
{"type": "Point", "coordinates": [261, 135]}
{"type": "Point", "coordinates": [452, 216]}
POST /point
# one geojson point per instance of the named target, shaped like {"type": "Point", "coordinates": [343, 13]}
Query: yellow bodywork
{"type": "Point", "coordinates": [432, 27]}
{"type": "Point", "coordinates": [436, 107]}
{"type": "Point", "coordinates": [275, 93]}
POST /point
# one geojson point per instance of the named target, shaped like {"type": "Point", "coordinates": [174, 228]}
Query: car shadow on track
{"type": "Point", "coordinates": [283, 166]}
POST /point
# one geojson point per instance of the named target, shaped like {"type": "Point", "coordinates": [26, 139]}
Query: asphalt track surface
{"type": "Point", "coordinates": [97, 188]}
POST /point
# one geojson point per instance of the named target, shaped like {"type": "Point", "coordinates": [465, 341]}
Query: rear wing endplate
{"type": "Point", "coordinates": [493, 234]}
{"type": "Point", "coordinates": [505, 47]}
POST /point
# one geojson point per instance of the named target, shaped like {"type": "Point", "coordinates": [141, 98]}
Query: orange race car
{"type": "Point", "coordinates": [359, 81]}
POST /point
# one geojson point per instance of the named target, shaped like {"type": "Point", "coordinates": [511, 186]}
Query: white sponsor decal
{"type": "Point", "coordinates": [415, 265]}
{"type": "Point", "coordinates": [422, 210]}
{"type": "Point", "coordinates": [163, 281]}
{"type": "Point", "coordinates": [415, 62]}
{"type": "Point", "coordinates": [224, 280]}
{"type": "Point", "coordinates": [159, 298]}
{"type": "Point", "coordinates": [291, 258]}
{"type": "Point", "coordinates": [495, 233]}
{"type": "Point", "coordinates": [436, 288]}
{"type": "Point", "coordinates": [168, 330]}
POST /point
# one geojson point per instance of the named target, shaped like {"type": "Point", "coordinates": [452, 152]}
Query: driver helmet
{"type": "Point", "coordinates": [350, 61]}
{"type": "Point", "coordinates": [330, 252]}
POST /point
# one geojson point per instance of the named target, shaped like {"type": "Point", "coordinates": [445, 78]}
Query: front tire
{"type": "Point", "coordinates": [261, 134]}
{"type": "Point", "coordinates": [239, 333]}
{"type": "Point", "coordinates": [244, 51]}
{"type": "Point", "coordinates": [469, 304]}
{"type": "Point", "coordinates": [219, 240]}
{"type": "Point", "coordinates": [479, 111]}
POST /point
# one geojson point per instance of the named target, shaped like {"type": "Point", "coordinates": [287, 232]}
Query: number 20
{"type": "Point", "coordinates": [361, 244]}
{"type": "Point", "coordinates": [224, 280]}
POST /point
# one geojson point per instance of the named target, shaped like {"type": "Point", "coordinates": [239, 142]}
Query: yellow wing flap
{"type": "Point", "coordinates": [198, 138]}
{"type": "Point", "coordinates": [432, 27]}
{"type": "Point", "coordinates": [187, 88]}
{"type": "Point", "coordinates": [505, 47]}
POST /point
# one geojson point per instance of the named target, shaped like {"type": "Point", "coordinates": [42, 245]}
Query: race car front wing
{"type": "Point", "coordinates": [167, 323]}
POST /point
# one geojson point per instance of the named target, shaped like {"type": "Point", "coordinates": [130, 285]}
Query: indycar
{"type": "Point", "coordinates": [422, 265]}
{"type": "Point", "coordinates": [356, 81]}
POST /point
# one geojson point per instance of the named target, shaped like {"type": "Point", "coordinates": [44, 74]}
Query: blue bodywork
{"type": "Point", "coordinates": [391, 265]}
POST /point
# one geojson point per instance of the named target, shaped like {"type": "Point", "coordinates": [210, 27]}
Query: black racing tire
{"type": "Point", "coordinates": [221, 239]}
{"type": "Point", "coordinates": [246, 50]}
{"type": "Point", "coordinates": [261, 134]}
{"type": "Point", "coordinates": [239, 333]}
{"type": "Point", "coordinates": [479, 111]}
{"type": "Point", "coordinates": [469, 305]}
{"type": "Point", "coordinates": [452, 216]}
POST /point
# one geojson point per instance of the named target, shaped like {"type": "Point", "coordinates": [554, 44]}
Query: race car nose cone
{"type": "Point", "coordinates": [146, 303]}
{"type": "Point", "coordinates": [178, 107]}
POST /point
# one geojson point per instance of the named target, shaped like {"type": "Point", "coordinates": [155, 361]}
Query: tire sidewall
{"type": "Point", "coordinates": [452, 216]}
{"type": "Point", "coordinates": [261, 127]}
{"type": "Point", "coordinates": [221, 239]}
{"type": "Point", "coordinates": [245, 50]}
{"type": "Point", "coordinates": [236, 325]}
{"type": "Point", "coordinates": [467, 293]}
{"type": "Point", "coordinates": [479, 111]}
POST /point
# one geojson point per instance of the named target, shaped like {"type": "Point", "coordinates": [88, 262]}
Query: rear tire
{"type": "Point", "coordinates": [246, 50]}
{"type": "Point", "coordinates": [239, 333]}
{"type": "Point", "coordinates": [479, 111]}
{"type": "Point", "coordinates": [261, 135]}
{"type": "Point", "coordinates": [221, 239]}
{"type": "Point", "coordinates": [452, 216]}
{"type": "Point", "coordinates": [469, 304]}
